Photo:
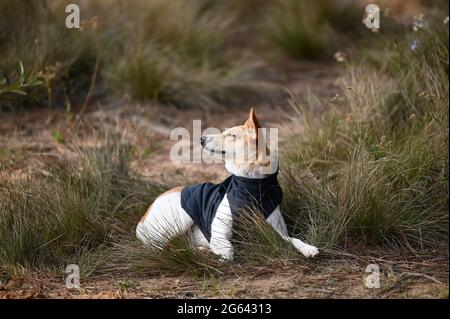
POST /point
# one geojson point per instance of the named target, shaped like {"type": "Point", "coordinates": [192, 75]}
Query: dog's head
{"type": "Point", "coordinates": [244, 149]}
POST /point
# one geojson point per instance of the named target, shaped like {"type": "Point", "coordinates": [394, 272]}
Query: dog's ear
{"type": "Point", "coordinates": [252, 121]}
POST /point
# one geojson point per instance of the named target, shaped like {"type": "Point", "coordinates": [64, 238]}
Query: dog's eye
{"type": "Point", "coordinates": [231, 135]}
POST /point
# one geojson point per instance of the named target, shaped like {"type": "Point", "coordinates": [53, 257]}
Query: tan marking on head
{"type": "Point", "coordinates": [170, 191]}
{"type": "Point", "coordinates": [239, 131]}
{"type": "Point", "coordinates": [249, 134]}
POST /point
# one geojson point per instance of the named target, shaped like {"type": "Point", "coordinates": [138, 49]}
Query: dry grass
{"type": "Point", "coordinates": [69, 210]}
{"type": "Point", "coordinates": [374, 169]}
{"type": "Point", "coordinates": [369, 168]}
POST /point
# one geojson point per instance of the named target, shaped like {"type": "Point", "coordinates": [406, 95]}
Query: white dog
{"type": "Point", "coordinates": [207, 210]}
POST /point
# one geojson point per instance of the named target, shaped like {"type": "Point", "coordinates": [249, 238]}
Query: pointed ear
{"type": "Point", "coordinates": [252, 121]}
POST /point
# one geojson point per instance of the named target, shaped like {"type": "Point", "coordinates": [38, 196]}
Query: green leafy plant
{"type": "Point", "coordinates": [19, 84]}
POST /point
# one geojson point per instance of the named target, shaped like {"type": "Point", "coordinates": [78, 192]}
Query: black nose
{"type": "Point", "coordinates": [202, 140]}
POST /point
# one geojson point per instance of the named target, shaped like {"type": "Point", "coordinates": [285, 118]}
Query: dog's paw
{"type": "Point", "coordinates": [227, 259]}
{"type": "Point", "coordinates": [309, 251]}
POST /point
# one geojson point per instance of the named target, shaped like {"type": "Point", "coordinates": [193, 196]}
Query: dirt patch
{"type": "Point", "coordinates": [400, 277]}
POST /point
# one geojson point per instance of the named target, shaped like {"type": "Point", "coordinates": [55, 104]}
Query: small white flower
{"type": "Point", "coordinates": [339, 56]}
{"type": "Point", "coordinates": [419, 22]}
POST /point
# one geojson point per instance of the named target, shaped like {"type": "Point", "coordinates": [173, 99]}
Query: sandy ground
{"type": "Point", "coordinates": [424, 276]}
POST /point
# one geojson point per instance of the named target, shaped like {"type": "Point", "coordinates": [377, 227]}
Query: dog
{"type": "Point", "coordinates": [206, 211]}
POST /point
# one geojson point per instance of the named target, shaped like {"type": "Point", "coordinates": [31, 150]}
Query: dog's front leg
{"type": "Point", "coordinates": [221, 231]}
{"type": "Point", "coordinates": [276, 220]}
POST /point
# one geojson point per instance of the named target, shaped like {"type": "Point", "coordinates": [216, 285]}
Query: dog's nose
{"type": "Point", "coordinates": [202, 140]}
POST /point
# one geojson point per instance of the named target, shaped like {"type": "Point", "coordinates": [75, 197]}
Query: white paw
{"type": "Point", "coordinates": [227, 258]}
{"type": "Point", "coordinates": [225, 254]}
{"type": "Point", "coordinates": [309, 251]}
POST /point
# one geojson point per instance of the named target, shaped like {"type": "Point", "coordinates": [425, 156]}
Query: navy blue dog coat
{"type": "Point", "coordinates": [202, 200]}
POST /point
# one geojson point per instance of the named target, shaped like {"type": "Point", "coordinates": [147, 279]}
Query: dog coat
{"type": "Point", "coordinates": [201, 201]}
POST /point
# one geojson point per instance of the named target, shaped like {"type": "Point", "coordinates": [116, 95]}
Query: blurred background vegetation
{"type": "Point", "coordinates": [193, 53]}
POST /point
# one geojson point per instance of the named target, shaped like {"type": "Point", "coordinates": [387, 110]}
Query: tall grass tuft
{"type": "Point", "coordinates": [65, 211]}
{"type": "Point", "coordinates": [308, 30]}
{"type": "Point", "coordinates": [298, 30]}
{"type": "Point", "coordinates": [177, 257]}
{"type": "Point", "coordinates": [256, 242]}
{"type": "Point", "coordinates": [375, 168]}
{"type": "Point", "coordinates": [156, 75]}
